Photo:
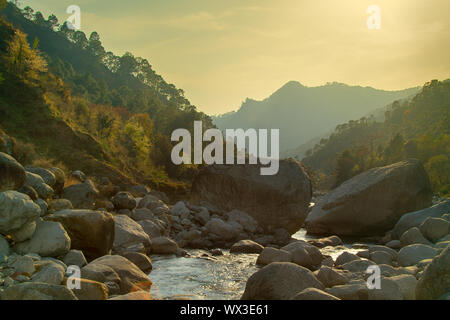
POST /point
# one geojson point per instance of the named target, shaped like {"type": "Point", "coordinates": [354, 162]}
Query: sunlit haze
{"type": "Point", "coordinates": [220, 52]}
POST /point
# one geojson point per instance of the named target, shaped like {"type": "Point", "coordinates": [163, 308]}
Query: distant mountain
{"type": "Point", "coordinates": [305, 113]}
{"type": "Point", "coordinates": [301, 151]}
{"type": "Point", "coordinates": [418, 127]}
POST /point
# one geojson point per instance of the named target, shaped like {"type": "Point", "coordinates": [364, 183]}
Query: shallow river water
{"type": "Point", "coordinates": [221, 278]}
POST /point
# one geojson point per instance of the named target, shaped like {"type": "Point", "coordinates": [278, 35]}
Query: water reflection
{"type": "Point", "coordinates": [219, 278]}
{"type": "Point", "coordinates": [222, 277]}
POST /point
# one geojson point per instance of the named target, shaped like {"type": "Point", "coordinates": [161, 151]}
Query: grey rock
{"type": "Point", "coordinates": [287, 193]}
{"type": "Point", "coordinates": [435, 228]}
{"type": "Point", "coordinates": [279, 281]}
{"type": "Point", "coordinates": [12, 174]}
{"type": "Point", "coordinates": [416, 218]}
{"type": "Point", "coordinates": [413, 254]}
{"type": "Point", "coordinates": [270, 255]}
{"type": "Point", "coordinates": [43, 190]}
{"type": "Point", "coordinates": [371, 203]}
{"type": "Point", "coordinates": [16, 210]}
{"type": "Point", "coordinates": [49, 240]}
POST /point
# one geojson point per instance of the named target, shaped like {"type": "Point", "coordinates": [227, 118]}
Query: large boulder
{"type": "Point", "coordinates": [49, 240]}
{"type": "Point", "coordinates": [81, 195]}
{"type": "Point", "coordinates": [38, 291]}
{"type": "Point", "coordinates": [12, 174]}
{"type": "Point", "coordinates": [416, 218]}
{"type": "Point", "coordinates": [277, 201]}
{"type": "Point", "coordinates": [435, 280]}
{"type": "Point", "coordinates": [128, 233]}
{"type": "Point", "coordinates": [16, 211]}
{"type": "Point", "coordinates": [372, 202]}
{"type": "Point", "coordinates": [279, 281]}
{"type": "Point", "coordinates": [37, 183]}
{"type": "Point", "coordinates": [90, 231]}
{"type": "Point", "coordinates": [131, 277]}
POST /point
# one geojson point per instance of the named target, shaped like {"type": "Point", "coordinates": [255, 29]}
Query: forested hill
{"type": "Point", "coordinates": [115, 110]}
{"type": "Point", "coordinates": [302, 113]}
{"type": "Point", "coordinates": [414, 128]}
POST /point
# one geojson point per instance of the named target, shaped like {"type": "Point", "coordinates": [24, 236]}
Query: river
{"type": "Point", "coordinates": [218, 278]}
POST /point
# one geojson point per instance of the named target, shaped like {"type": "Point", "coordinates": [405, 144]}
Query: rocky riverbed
{"type": "Point", "coordinates": [235, 237]}
{"type": "Point", "coordinates": [203, 276]}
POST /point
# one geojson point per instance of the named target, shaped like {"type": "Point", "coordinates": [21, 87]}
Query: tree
{"type": "Point", "coordinates": [104, 124]}
{"type": "Point", "coordinates": [52, 22]}
{"type": "Point", "coordinates": [80, 39]}
{"type": "Point", "coordinates": [2, 4]}
{"type": "Point", "coordinates": [111, 61]}
{"type": "Point", "coordinates": [344, 167]}
{"type": "Point", "coordinates": [394, 150]}
{"type": "Point", "coordinates": [28, 12]}
{"type": "Point", "coordinates": [39, 19]}
{"type": "Point", "coordinates": [95, 46]}
{"type": "Point", "coordinates": [66, 31]}
{"type": "Point", "coordinates": [127, 64]}
{"type": "Point", "coordinates": [438, 168]}
{"type": "Point", "coordinates": [21, 60]}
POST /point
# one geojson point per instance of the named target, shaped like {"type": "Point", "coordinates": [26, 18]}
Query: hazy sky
{"type": "Point", "coordinates": [222, 51]}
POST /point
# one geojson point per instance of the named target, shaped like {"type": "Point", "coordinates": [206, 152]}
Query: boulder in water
{"type": "Point", "coordinates": [371, 203]}
{"type": "Point", "coordinates": [278, 201]}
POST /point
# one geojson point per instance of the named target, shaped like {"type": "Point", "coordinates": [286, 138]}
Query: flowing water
{"type": "Point", "coordinates": [220, 278]}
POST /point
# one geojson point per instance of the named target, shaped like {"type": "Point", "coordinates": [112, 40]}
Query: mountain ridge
{"type": "Point", "coordinates": [303, 113]}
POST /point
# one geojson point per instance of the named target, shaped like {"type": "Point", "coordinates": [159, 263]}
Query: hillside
{"type": "Point", "coordinates": [66, 100]}
{"type": "Point", "coordinates": [304, 113]}
{"type": "Point", "coordinates": [414, 128]}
